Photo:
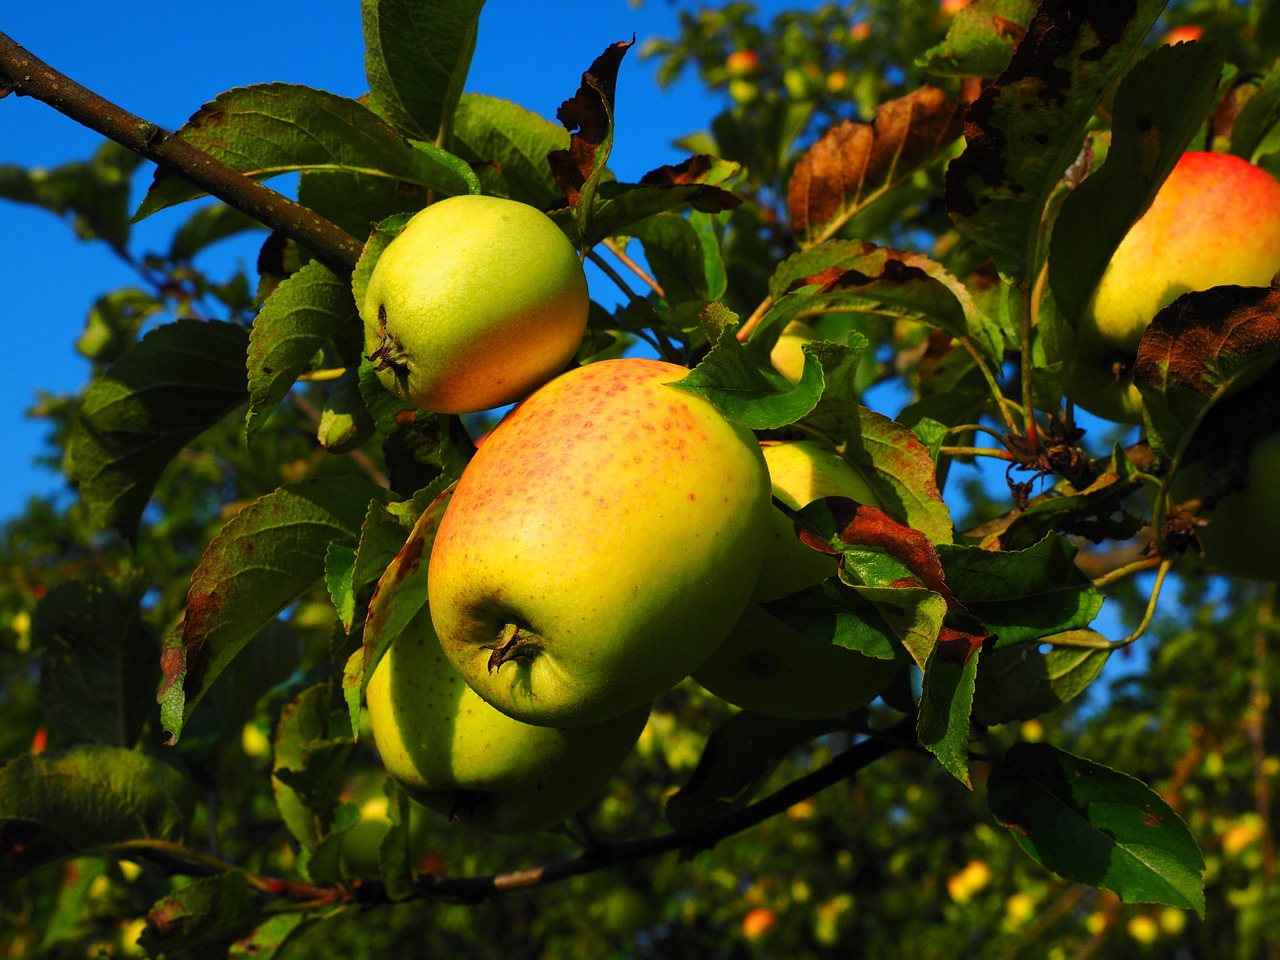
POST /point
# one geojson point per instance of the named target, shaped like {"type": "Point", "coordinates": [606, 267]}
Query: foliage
{"type": "Point", "coordinates": [184, 643]}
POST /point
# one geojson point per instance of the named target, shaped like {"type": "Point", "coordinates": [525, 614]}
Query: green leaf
{"type": "Point", "coordinates": [1022, 595]}
{"type": "Point", "coordinates": [1020, 682]}
{"type": "Point", "coordinates": [693, 183]}
{"type": "Point", "coordinates": [263, 559]}
{"type": "Point", "coordinates": [946, 702]}
{"type": "Point", "coordinates": [1026, 129]}
{"type": "Point", "coordinates": [311, 750]}
{"type": "Point", "coordinates": [674, 252]}
{"type": "Point", "coordinates": [82, 800]}
{"type": "Point", "coordinates": [508, 145]}
{"type": "Point", "coordinates": [730, 378]}
{"type": "Point", "coordinates": [200, 913]}
{"type": "Point", "coordinates": [274, 933]}
{"type": "Point", "coordinates": [95, 192]}
{"type": "Point", "coordinates": [98, 668]}
{"type": "Point", "coordinates": [980, 40]}
{"type": "Point", "coordinates": [114, 322]}
{"type": "Point", "coordinates": [345, 422]}
{"type": "Point", "coordinates": [270, 129]}
{"type": "Point", "coordinates": [736, 762]}
{"type": "Point", "coordinates": [417, 54]}
{"type": "Point", "coordinates": [205, 227]}
{"type": "Point", "coordinates": [401, 592]}
{"type": "Point", "coordinates": [163, 392]}
{"type": "Point", "coordinates": [1160, 106]}
{"type": "Point", "coordinates": [1259, 118]}
{"type": "Point", "coordinates": [1091, 824]}
{"type": "Point", "coordinates": [856, 618]}
{"type": "Point", "coordinates": [299, 317]}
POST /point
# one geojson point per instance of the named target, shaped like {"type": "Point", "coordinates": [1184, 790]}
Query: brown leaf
{"type": "Point", "coordinates": [588, 116]}
{"type": "Point", "coordinates": [1204, 326]}
{"type": "Point", "coordinates": [698, 171]}
{"type": "Point", "coordinates": [853, 163]}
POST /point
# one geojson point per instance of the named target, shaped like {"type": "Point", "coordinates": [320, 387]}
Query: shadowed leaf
{"type": "Point", "coordinates": [981, 39]}
{"type": "Point", "coordinates": [1094, 825]}
{"type": "Point", "coordinates": [207, 911]}
{"type": "Point", "coordinates": [509, 145]}
{"type": "Point", "coordinates": [1020, 682]}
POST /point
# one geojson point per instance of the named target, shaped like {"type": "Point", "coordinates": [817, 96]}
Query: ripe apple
{"type": "Point", "coordinates": [476, 303]}
{"type": "Point", "coordinates": [740, 63]}
{"type": "Point", "coordinates": [1214, 221]}
{"type": "Point", "coordinates": [599, 545]}
{"type": "Point", "coordinates": [1242, 535]}
{"type": "Point", "coordinates": [765, 665]}
{"type": "Point", "coordinates": [454, 753]}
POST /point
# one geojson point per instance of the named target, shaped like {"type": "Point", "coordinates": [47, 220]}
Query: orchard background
{"type": "Point", "coordinates": [1049, 777]}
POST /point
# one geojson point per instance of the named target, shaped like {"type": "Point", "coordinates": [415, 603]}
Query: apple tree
{"type": "Point", "coordinates": [883, 246]}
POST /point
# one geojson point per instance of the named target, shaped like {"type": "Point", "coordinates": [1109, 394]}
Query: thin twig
{"type": "Point", "coordinates": [26, 75]}
{"type": "Point", "coordinates": [616, 249]}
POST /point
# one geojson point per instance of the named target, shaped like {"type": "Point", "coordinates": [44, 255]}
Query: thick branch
{"type": "Point", "coordinates": [26, 75]}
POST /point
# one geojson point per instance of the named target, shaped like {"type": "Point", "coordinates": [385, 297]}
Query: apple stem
{"type": "Point", "coordinates": [511, 645]}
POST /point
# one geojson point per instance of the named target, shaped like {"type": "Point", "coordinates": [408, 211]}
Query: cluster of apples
{"type": "Point", "coordinates": [1214, 221]}
{"type": "Point", "coordinates": [612, 536]}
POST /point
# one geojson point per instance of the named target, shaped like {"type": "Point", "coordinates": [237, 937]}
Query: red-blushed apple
{"type": "Point", "coordinates": [765, 665]}
{"type": "Point", "coordinates": [1214, 221]}
{"type": "Point", "coordinates": [601, 543]}
{"type": "Point", "coordinates": [475, 303]}
{"type": "Point", "coordinates": [455, 754]}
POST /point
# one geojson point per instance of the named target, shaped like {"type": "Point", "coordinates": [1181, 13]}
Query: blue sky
{"type": "Point", "coordinates": [162, 60]}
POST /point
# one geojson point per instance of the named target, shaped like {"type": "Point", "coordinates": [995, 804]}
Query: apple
{"type": "Point", "coordinates": [765, 665]}
{"type": "Point", "coordinates": [455, 754]}
{"type": "Point", "coordinates": [599, 545]}
{"type": "Point", "coordinates": [1241, 537]}
{"type": "Point", "coordinates": [740, 63]}
{"type": "Point", "coordinates": [475, 303]}
{"type": "Point", "coordinates": [787, 355]}
{"type": "Point", "coordinates": [1214, 221]}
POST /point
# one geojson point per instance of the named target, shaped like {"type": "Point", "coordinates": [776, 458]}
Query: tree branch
{"type": "Point", "coordinates": [26, 75]}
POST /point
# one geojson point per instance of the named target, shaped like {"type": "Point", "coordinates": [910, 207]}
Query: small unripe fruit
{"type": "Point", "coordinates": [475, 304]}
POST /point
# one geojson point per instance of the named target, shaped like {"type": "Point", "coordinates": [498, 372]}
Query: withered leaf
{"type": "Point", "coordinates": [588, 116]}
{"type": "Point", "coordinates": [855, 163]}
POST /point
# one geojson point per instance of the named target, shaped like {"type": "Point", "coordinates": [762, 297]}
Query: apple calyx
{"type": "Point", "coordinates": [512, 645]}
{"type": "Point", "coordinates": [389, 355]}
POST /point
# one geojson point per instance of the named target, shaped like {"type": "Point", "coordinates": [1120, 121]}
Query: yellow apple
{"type": "Point", "coordinates": [1214, 221]}
{"type": "Point", "coordinates": [787, 355]}
{"type": "Point", "coordinates": [454, 753]}
{"type": "Point", "coordinates": [765, 665]}
{"type": "Point", "coordinates": [601, 543]}
{"type": "Point", "coordinates": [476, 303]}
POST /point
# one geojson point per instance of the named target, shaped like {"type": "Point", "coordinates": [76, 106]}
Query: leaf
{"type": "Point", "coordinates": [588, 116]}
{"type": "Point", "coordinates": [297, 319]}
{"type": "Point", "coordinates": [854, 164]}
{"type": "Point", "coordinates": [205, 227]}
{"type": "Point", "coordinates": [310, 751]}
{"type": "Point", "coordinates": [114, 322]}
{"type": "Point", "coordinates": [401, 592]}
{"type": "Point", "coordinates": [1091, 824]}
{"type": "Point", "coordinates": [1197, 349]}
{"type": "Point", "coordinates": [162, 393]}
{"type": "Point", "coordinates": [736, 762]}
{"type": "Point", "coordinates": [268, 939]}
{"type": "Point", "coordinates": [95, 192]}
{"type": "Point", "coordinates": [345, 422]}
{"type": "Point", "coordinates": [946, 701]}
{"type": "Point", "coordinates": [746, 394]}
{"type": "Point", "coordinates": [205, 911]}
{"type": "Point", "coordinates": [856, 619]}
{"type": "Point", "coordinates": [98, 666]}
{"type": "Point", "coordinates": [1025, 594]}
{"type": "Point", "coordinates": [508, 145]}
{"type": "Point", "coordinates": [417, 54]}
{"type": "Point", "coordinates": [1020, 682]}
{"type": "Point", "coordinates": [263, 559]}
{"type": "Point", "coordinates": [270, 129]}
{"type": "Point", "coordinates": [1259, 117]}
{"type": "Point", "coordinates": [1026, 129]}
{"type": "Point", "coordinates": [72, 803]}
{"type": "Point", "coordinates": [1160, 106]}
{"type": "Point", "coordinates": [674, 253]}
{"type": "Point", "coordinates": [980, 40]}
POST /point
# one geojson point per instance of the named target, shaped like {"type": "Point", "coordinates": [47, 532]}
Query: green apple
{"type": "Point", "coordinates": [454, 753]}
{"type": "Point", "coordinates": [475, 303]}
{"type": "Point", "coordinates": [1214, 221]}
{"type": "Point", "coordinates": [601, 543]}
{"type": "Point", "coordinates": [1241, 537]}
{"type": "Point", "coordinates": [787, 355]}
{"type": "Point", "coordinates": [765, 665]}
